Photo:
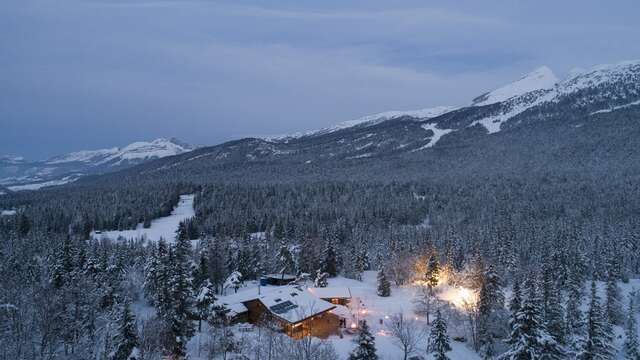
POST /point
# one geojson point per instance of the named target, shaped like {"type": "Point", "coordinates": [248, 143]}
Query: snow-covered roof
{"type": "Point", "coordinates": [331, 292]}
{"type": "Point", "coordinates": [342, 311]}
{"type": "Point", "coordinates": [235, 308]}
{"type": "Point", "coordinates": [294, 304]}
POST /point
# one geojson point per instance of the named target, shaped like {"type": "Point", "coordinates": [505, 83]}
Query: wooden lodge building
{"type": "Point", "coordinates": [298, 312]}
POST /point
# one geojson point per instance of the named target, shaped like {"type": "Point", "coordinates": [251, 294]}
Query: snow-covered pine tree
{"type": "Point", "coordinates": [329, 259]}
{"type": "Point", "coordinates": [613, 309]}
{"type": "Point", "coordinates": [516, 298]}
{"type": "Point", "coordinates": [151, 276]}
{"type": "Point", "coordinates": [438, 339]}
{"type": "Point", "coordinates": [366, 349]}
{"type": "Point", "coordinates": [552, 311]}
{"type": "Point", "coordinates": [433, 271]}
{"type": "Point", "coordinates": [631, 343]}
{"type": "Point", "coordinates": [126, 337]}
{"type": "Point", "coordinates": [529, 338]}
{"type": "Point", "coordinates": [598, 341]}
{"type": "Point", "coordinates": [286, 263]}
{"type": "Point", "coordinates": [491, 312]}
{"type": "Point", "coordinates": [204, 301]}
{"type": "Point", "coordinates": [384, 287]}
{"type": "Point", "coordinates": [574, 319]}
{"type": "Point", "coordinates": [321, 279]}
{"type": "Point", "coordinates": [179, 317]}
{"type": "Point", "coordinates": [201, 273]}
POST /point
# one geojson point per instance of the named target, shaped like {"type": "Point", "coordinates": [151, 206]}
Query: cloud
{"type": "Point", "coordinates": [80, 74]}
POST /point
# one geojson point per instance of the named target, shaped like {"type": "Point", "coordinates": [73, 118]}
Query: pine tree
{"type": "Point", "coordinates": [126, 338]}
{"type": "Point", "coordinates": [598, 342]}
{"type": "Point", "coordinates": [329, 259]}
{"type": "Point", "coordinates": [516, 298]}
{"type": "Point", "coordinates": [204, 301]}
{"type": "Point", "coordinates": [181, 298]}
{"type": "Point", "coordinates": [574, 320]}
{"type": "Point", "coordinates": [612, 301]}
{"type": "Point", "coordinates": [491, 311]}
{"type": "Point", "coordinates": [384, 287]}
{"type": "Point", "coordinates": [366, 349]}
{"type": "Point", "coordinates": [631, 342]}
{"type": "Point", "coordinates": [285, 259]}
{"type": "Point", "coordinates": [529, 338]}
{"type": "Point", "coordinates": [433, 271]}
{"type": "Point", "coordinates": [321, 279]}
{"type": "Point", "coordinates": [438, 338]}
{"type": "Point", "coordinates": [552, 310]}
{"type": "Point", "coordinates": [201, 273]}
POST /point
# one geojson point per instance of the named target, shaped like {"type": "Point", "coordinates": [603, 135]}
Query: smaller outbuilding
{"type": "Point", "coordinates": [334, 295]}
{"type": "Point", "coordinates": [277, 279]}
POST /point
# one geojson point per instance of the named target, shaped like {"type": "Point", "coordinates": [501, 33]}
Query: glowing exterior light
{"type": "Point", "coordinates": [353, 325]}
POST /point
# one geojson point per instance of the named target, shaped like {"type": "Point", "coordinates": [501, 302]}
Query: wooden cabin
{"type": "Point", "coordinates": [297, 312]}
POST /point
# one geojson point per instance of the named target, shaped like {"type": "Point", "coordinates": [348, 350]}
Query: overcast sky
{"type": "Point", "coordinates": [100, 73]}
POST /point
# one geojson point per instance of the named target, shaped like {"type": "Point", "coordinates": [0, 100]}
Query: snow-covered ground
{"type": "Point", "coordinates": [381, 309]}
{"type": "Point", "coordinates": [164, 227]}
{"type": "Point", "coordinates": [7, 212]}
{"type": "Point", "coordinates": [37, 186]}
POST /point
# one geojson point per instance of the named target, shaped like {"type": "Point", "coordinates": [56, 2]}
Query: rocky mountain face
{"type": "Point", "coordinates": [537, 123]}
{"type": "Point", "coordinates": [17, 174]}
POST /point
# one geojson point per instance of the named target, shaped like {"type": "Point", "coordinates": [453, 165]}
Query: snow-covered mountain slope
{"type": "Point", "coordinates": [18, 174]}
{"type": "Point", "coordinates": [536, 106]}
{"type": "Point", "coordinates": [539, 79]}
{"type": "Point", "coordinates": [367, 120]}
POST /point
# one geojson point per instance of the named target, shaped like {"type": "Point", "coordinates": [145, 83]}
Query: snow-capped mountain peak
{"type": "Point", "coordinates": [540, 79]}
{"type": "Point", "coordinates": [601, 74]}
{"type": "Point", "coordinates": [134, 152]}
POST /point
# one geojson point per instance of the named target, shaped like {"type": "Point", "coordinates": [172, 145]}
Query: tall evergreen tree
{"type": "Point", "coordinates": [432, 275]}
{"type": "Point", "coordinates": [126, 337]}
{"type": "Point", "coordinates": [329, 259]}
{"type": "Point", "coordinates": [366, 349]}
{"type": "Point", "coordinates": [631, 342]}
{"type": "Point", "coordinates": [613, 309]}
{"type": "Point", "coordinates": [439, 339]}
{"type": "Point", "coordinates": [384, 287]}
{"type": "Point", "coordinates": [491, 312]}
{"type": "Point", "coordinates": [179, 316]}
{"type": "Point", "coordinates": [529, 338]}
{"type": "Point", "coordinates": [598, 342]}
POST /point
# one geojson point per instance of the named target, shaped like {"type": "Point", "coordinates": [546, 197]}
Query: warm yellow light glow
{"type": "Point", "coordinates": [461, 297]}
{"type": "Point", "coordinates": [353, 325]}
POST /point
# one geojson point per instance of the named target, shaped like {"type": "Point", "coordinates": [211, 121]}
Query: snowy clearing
{"type": "Point", "coordinates": [38, 186]}
{"type": "Point", "coordinates": [164, 227]}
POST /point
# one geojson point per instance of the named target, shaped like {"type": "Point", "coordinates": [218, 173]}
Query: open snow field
{"type": "Point", "coordinates": [378, 308]}
{"type": "Point", "coordinates": [164, 227]}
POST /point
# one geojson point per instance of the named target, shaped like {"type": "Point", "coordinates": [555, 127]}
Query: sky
{"type": "Point", "coordinates": [100, 73]}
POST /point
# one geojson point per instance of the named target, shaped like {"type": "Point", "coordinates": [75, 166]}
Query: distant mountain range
{"type": "Point", "coordinates": [17, 174]}
{"type": "Point", "coordinates": [587, 123]}
{"type": "Point", "coordinates": [535, 124]}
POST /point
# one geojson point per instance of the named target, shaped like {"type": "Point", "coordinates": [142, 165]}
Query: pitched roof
{"type": "Point", "coordinates": [293, 304]}
{"type": "Point", "coordinates": [331, 292]}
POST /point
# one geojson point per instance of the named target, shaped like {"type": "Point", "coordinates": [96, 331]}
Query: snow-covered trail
{"type": "Point", "coordinates": [164, 227]}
